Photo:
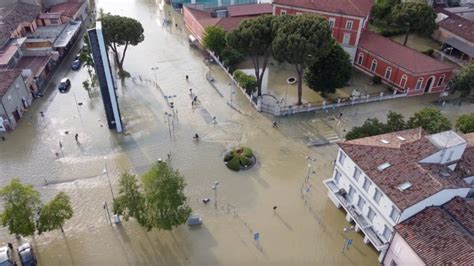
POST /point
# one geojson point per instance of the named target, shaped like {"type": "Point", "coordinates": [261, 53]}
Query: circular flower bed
{"type": "Point", "coordinates": [240, 159]}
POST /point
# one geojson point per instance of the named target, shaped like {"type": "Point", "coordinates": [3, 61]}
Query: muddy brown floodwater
{"type": "Point", "coordinates": [306, 228]}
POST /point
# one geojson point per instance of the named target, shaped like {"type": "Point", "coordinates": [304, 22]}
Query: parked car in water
{"type": "Point", "coordinates": [5, 256]}
{"type": "Point", "coordinates": [194, 219]}
{"type": "Point", "coordinates": [27, 255]}
{"type": "Point", "coordinates": [76, 64]}
{"type": "Point", "coordinates": [64, 85]}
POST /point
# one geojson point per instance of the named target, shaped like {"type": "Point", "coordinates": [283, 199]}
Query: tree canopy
{"type": "Point", "coordinates": [121, 31]}
{"type": "Point", "coordinates": [55, 213]}
{"type": "Point", "coordinates": [214, 39]}
{"type": "Point", "coordinates": [130, 202]}
{"type": "Point", "coordinates": [465, 123]}
{"type": "Point", "coordinates": [414, 17]}
{"type": "Point", "coordinates": [301, 41]}
{"type": "Point", "coordinates": [330, 72]}
{"type": "Point", "coordinates": [429, 119]}
{"type": "Point", "coordinates": [463, 81]}
{"type": "Point", "coordinates": [382, 9]}
{"type": "Point", "coordinates": [166, 205]}
{"type": "Point", "coordinates": [254, 38]}
{"type": "Point", "coordinates": [21, 203]}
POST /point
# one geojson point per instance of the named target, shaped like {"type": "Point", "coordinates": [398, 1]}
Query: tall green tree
{"type": "Point", "coordinates": [414, 17]}
{"type": "Point", "coordinates": [165, 201]}
{"type": "Point", "coordinates": [382, 9]}
{"type": "Point", "coordinates": [371, 127]}
{"type": "Point", "coordinates": [465, 123]}
{"type": "Point", "coordinates": [214, 39]}
{"type": "Point", "coordinates": [395, 122]}
{"type": "Point", "coordinates": [302, 41]}
{"type": "Point", "coordinates": [254, 38]}
{"type": "Point", "coordinates": [20, 204]}
{"type": "Point", "coordinates": [55, 213]}
{"type": "Point", "coordinates": [131, 201]}
{"type": "Point", "coordinates": [463, 81]}
{"type": "Point", "coordinates": [331, 72]}
{"type": "Point", "coordinates": [431, 120]}
{"type": "Point", "coordinates": [121, 31]}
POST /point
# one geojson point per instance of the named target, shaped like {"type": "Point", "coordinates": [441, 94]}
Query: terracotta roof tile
{"type": "Point", "coordinates": [400, 55]}
{"type": "Point", "coordinates": [460, 26]}
{"type": "Point", "coordinates": [249, 10]}
{"type": "Point", "coordinates": [403, 156]}
{"type": "Point", "coordinates": [7, 77]}
{"type": "Point", "coordinates": [14, 14]}
{"type": "Point", "coordinates": [359, 8]}
{"type": "Point", "coordinates": [67, 9]}
{"type": "Point", "coordinates": [442, 235]}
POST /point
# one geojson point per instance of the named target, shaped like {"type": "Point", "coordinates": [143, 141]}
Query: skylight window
{"type": "Point", "coordinates": [384, 141]}
{"type": "Point", "coordinates": [404, 186]}
{"type": "Point", "coordinates": [401, 138]}
{"type": "Point", "coordinates": [383, 166]}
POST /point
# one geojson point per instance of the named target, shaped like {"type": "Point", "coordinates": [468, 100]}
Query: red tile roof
{"type": "Point", "coordinates": [442, 235]}
{"type": "Point", "coordinates": [460, 26]}
{"type": "Point", "coordinates": [403, 156]}
{"type": "Point", "coordinates": [67, 9]}
{"type": "Point", "coordinates": [359, 8]}
{"type": "Point", "coordinates": [405, 57]}
{"type": "Point", "coordinates": [7, 77]}
{"type": "Point", "coordinates": [205, 19]}
{"type": "Point", "coordinates": [249, 10]}
{"type": "Point", "coordinates": [35, 63]}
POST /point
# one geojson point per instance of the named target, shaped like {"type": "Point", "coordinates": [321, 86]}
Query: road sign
{"type": "Point", "coordinates": [256, 236]}
{"type": "Point", "coordinates": [349, 242]}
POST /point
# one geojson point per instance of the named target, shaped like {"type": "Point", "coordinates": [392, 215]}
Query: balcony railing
{"type": "Point", "coordinates": [360, 220]}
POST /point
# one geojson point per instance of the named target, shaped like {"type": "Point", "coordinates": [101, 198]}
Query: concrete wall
{"type": "Point", "coordinates": [14, 100]}
{"type": "Point", "coordinates": [401, 253]}
{"type": "Point", "coordinates": [437, 199]}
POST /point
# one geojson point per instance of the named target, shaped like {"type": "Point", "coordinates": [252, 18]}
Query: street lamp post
{"type": "Point", "coordinates": [168, 115]}
{"type": "Point", "coordinates": [154, 69]}
{"type": "Point", "coordinates": [214, 187]}
{"type": "Point", "coordinates": [108, 178]}
{"type": "Point", "coordinates": [347, 241]}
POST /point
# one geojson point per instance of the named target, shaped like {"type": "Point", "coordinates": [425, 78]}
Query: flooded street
{"type": "Point", "coordinates": [306, 228]}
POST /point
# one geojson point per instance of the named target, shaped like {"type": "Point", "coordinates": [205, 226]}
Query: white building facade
{"type": "Point", "coordinates": [367, 198]}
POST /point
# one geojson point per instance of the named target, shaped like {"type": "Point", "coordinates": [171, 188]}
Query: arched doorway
{"type": "Point", "coordinates": [429, 84]}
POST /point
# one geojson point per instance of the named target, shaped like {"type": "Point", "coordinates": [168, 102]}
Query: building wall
{"type": "Point", "coordinates": [442, 35]}
{"type": "Point", "coordinates": [401, 253]}
{"type": "Point", "coordinates": [20, 31]}
{"type": "Point", "coordinates": [193, 25]}
{"type": "Point", "coordinates": [398, 73]}
{"type": "Point", "coordinates": [382, 209]}
{"type": "Point", "coordinates": [437, 199]}
{"type": "Point", "coordinates": [14, 99]}
{"type": "Point", "coordinates": [340, 21]}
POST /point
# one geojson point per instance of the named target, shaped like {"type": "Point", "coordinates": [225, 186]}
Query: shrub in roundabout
{"type": "Point", "coordinates": [239, 159]}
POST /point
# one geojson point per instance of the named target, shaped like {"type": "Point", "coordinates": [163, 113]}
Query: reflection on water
{"type": "Point", "coordinates": [245, 199]}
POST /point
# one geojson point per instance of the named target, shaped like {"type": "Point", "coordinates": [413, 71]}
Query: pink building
{"type": "Point", "coordinates": [405, 69]}
{"type": "Point", "coordinates": [197, 18]}
{"type": "Point", "coordinates": [441, 235]}
{"type": "Point", "coordinates": [347, 18]}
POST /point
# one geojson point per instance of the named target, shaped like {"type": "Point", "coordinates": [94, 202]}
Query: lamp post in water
{"type": "Point", "coordinates": [214, 187]}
